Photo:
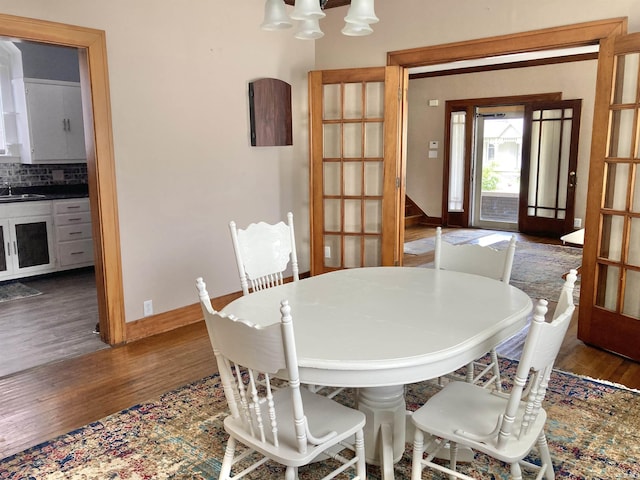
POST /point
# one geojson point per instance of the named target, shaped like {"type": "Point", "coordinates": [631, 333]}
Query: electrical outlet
{"type": "Point", "coordinates": [327, 251]}
{"type": "Point", "coordinates": [577, 223]}
{"type": "Point", "coordinates": [148, 308]}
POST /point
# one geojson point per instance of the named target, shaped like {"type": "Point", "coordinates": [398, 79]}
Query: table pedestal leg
{"type": "Point", "coordinates": [384, 432]}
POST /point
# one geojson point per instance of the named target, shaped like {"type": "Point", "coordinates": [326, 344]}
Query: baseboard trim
{"type": "Point", "coordinates": [180, 317]}
{"type": "Point", "coordinates": [433, 221]}
{"type": "Point", "coordinates": [166, 321]}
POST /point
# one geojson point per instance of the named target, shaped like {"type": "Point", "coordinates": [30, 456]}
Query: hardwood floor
{"type": "Point", "coordinates": [53, 399]}
{"type": "Point", "coordinates": [55, 325]}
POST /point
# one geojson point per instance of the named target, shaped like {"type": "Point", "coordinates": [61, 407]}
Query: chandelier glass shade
{"type": "Point", "coordinates": [308, 13]}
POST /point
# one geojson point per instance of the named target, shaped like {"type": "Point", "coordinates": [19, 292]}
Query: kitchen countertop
{"type": "Point", "coordinates": [48, 192]}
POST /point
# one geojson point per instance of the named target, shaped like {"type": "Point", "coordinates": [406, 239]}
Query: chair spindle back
{"type": "Point", "coordinates": [263, 252]}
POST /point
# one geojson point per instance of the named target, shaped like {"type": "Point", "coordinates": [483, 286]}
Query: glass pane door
{"type": "Point", "coordinates": [618, 272]}
{"type": "Point", "coordinates": [549, 168]}
{"type": "Point", "coordinates": [609, 314]}
{"type": "Point", "coordinates": [354, 169]}
{"type": "Point", "coordinates": [353, 156]}
{"type": "Point", "coordinates": [497, 165]}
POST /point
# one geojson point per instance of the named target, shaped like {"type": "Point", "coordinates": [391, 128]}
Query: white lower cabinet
{"type": "Point", "coordinates": [44, 237]}
{"type": "Point", "coordinates": [26, 231]}
{"type": "Point", "coordinates": [72, 220]}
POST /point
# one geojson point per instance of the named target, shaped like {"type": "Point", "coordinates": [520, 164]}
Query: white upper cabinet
{"type": "Point", "coordinates": [54, 121]}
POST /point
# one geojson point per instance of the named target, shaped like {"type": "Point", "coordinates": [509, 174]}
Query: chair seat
{"type": "Point", "coordinates": [462, 406]}
{"type": "Point", "coordinates": [323, 416]}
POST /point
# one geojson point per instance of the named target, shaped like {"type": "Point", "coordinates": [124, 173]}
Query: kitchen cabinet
{"type": "Point", "coordinates": [26, 230]}
{"type": "Point", "coordinates": [55, 131]}
{"type": "Point", "coordinates": [72, 219]}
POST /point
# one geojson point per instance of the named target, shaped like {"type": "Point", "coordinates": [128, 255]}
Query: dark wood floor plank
{"type": "Point", "coordinates": [53, 399]}
{"type": "Point", "coordinates": [56, 324]}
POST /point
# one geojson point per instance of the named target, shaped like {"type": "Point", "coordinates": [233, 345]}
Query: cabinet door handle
{"type": "Point", "coordinates": [8, 249]}
{"type": "Point", "coordinates": [72, 207]}
{"type": "Point", "coordinates": [68, 124]}
{"type": "Point", "coordinates": [77, 253]}
{"type": "Point", "coordinates": [64, 124]}
{"type": "Point", "coordinates": [75, 219]}
{"type": "Point", "coordinates": [75, 233]}
{"type": "Point", "coordinates": [15, 248]}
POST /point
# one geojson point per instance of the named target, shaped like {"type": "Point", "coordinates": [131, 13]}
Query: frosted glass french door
{"type": "Point", "coordinates": [356, 187]}
{"type": "Point", "coordinates": [610, 297]}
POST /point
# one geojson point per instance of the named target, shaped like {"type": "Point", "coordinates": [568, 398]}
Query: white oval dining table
{"type": "Point", "coordinates": [380, 328]}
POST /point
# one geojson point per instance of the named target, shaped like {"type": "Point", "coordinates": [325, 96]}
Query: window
{"type": "Point", "coordinates": [456, 162]}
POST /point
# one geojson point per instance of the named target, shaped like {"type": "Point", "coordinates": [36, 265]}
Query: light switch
{"type": "Point", "coordinates": [433, 154]}
{"type": "Point", "coordinates": [434, 103]}
{"type": "Point", "coordinates": [433, 144]}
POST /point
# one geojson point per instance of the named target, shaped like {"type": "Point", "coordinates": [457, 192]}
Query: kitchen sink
{"type": "Point", "coordinates": [20, 196]}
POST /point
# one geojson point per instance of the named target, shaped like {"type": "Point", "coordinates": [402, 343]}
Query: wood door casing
{"type": "Point", "coordinates": [94, 80]}
{"type": "Point", "coordinates": [609, 314]}
{"type": "Point", "coordinates": [355, 119]}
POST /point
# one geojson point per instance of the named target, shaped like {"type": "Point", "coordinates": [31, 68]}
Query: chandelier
{"type": "Point", "coordinates": [358, 21]}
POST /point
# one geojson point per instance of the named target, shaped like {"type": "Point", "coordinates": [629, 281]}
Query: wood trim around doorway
{"type": "Point", "coordinates": [94, 79]}
{"type": "Point", "coordinates": [575, 35]}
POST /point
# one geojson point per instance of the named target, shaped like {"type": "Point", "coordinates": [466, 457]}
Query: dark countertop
{"type": "Point", "coordinates": [46, 192]}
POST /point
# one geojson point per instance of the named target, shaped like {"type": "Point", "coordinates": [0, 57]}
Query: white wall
{"type": "Point", "coordinates": [418, 23]}
{"type": "Point", "coordinates": [179, 74]}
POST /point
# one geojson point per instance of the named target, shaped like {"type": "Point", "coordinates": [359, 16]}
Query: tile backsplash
{"type": "Point", "coordinates": [25, 175]}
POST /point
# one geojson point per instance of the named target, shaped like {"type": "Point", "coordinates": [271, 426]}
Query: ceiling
{"type": "Point", "coordinates": [329, 4]}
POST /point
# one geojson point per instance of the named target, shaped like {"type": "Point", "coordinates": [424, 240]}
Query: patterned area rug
{"type": "Point", "coordinates": [593, 432]}
{"type": "Point", "coordinates": [16, 290]}
{"type": "Point", "coordinates": [424, 245]}
{"type": "Point", "coordinates": [538, 268]}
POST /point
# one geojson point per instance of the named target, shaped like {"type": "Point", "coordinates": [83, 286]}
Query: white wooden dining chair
{"type": "Point", "coordinates": [505, 426]}
{"type": "Point", "coordinates": [292, 426]}
{"type": "Point", "coordinates": [263, 253]}
{"type": "Point", "coordinates": [487, 262]}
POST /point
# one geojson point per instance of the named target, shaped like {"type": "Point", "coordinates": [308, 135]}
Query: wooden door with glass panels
{"type": "Point", "coordinates": [609, 314]}
{"type": "Point", "coordinates": [356, 186]}
{"type": "Point", "coordinates": [548, 171]}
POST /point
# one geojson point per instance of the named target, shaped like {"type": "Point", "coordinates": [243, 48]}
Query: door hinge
{"type": "Point", "coordinates": [397, 182]}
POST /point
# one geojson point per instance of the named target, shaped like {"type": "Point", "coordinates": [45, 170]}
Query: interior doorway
{"type": "Point", "coordinates": [91, 44]}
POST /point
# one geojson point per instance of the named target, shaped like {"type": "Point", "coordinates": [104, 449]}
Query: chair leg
{"type": "Point", "coordinates": [227, 460]}
{"type": "Point", "coordinates": [545, 456]}
{"type": "Point", "coordinates": [496, 369]}
{"type": "Point", "coordinates": [453, 458]}
{"type": "Point", "coordinates": [516, 472]}
{"type": "Point", "coordinates": [291, 473]}
{"type": "Point", "coordinates": [418, 450]}
{"type": "Point", "coordinates": [361, 465]}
